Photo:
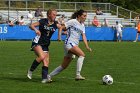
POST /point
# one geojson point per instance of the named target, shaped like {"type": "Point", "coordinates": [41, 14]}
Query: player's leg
{"type": "Point", "coordinates": [77, 51]}
{"type": "Point", "coordinates": [117, 36]}
{"type": "Point", "coordinates": [40, 56]}
{"type": "Point", "coordinates": [45, 68]}
{"type": "Point", "coordinates": [66, 61]}
{"type": "Point", "coordinates": [137, 37]}
{"type": "Point", "coordinates": [120, 33]}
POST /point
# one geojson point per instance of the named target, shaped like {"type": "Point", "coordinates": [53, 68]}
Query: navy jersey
{"type": "Point", "coordinates": [46, 32]}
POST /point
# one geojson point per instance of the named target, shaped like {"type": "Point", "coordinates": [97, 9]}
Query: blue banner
{"type": "Point", "coordinates": [16, 32]}
{"type": "Point", "coordinates": [92, 33]}
{"type": "Point", "coordinates": [108, 33]}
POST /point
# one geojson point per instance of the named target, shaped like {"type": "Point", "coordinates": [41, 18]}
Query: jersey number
{"type": "Point", "coordinates": [48, 33]}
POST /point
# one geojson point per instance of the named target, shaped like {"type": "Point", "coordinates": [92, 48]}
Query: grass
{"type": "Point", "coordinates": [120, 60]}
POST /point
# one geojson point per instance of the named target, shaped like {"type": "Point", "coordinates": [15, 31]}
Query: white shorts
{"type": "Point", "coordinates": [67, 47]}
{"type": "Point", "coordinates": [119, 33]}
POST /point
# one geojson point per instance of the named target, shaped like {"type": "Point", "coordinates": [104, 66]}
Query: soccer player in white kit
{"type": "Point", "coordinates": [75, 27]}
{"type": "Point", "coordinates": [119, 31]}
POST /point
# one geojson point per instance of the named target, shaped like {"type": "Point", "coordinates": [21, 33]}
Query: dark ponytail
{"type": "Point", "coordinates": [77, 13]}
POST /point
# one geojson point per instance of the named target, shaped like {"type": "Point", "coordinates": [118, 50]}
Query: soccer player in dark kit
{"type": "Point", "coordinates": [40, 44]}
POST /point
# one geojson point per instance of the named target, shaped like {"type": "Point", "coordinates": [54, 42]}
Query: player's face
{"type": "Point", "coordinates": [83, 17]}
{"type": "Point", "coordinates": [52, 15]}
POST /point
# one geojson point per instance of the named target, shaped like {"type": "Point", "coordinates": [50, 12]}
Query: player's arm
{"type": "Point", "coordinates": [33, 27]}
{"type": "Point", "coordinates": [85, 42]}
{"type": "Point", "coordinates": [121, 26]}
{"type": "Point", "coordinates": [114, 28]}
{"type": "Point", "coordinates": [60, 31]}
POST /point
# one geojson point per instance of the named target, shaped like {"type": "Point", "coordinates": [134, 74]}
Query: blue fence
{"type": "Point", "coordinates": [92, 33]}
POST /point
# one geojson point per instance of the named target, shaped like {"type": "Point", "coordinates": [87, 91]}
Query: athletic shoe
{"type": "Point", "coordinates": [135, 41]}
{"type": "Point", "coordinates": [46, 81]}
{"type": "Point", "coordinates": [49, 78]}
{"type": "Point", "coordinates": [29, 74]}
{"type": "Point", "coordinates": [79, 77]}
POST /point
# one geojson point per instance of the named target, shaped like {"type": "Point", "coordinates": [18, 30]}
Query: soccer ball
{"type": "Point", "coordinates": [107, 80]}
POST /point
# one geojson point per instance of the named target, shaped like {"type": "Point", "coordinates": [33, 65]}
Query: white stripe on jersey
{"type": "Point", "coordinates": [36, 39]}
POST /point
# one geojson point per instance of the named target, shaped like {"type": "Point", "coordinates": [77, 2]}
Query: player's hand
{"type": "Point", "coordinates": [59, 40]}
{"type": "Point", "coordinates": [89, 49]}
{"type": "Point", "coordinates": [38, 32]}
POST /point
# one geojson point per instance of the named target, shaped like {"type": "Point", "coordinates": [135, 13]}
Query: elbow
{"type": "Point", "coordinates": [31, 27]}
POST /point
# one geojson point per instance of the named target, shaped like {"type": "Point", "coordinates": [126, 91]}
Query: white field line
{"type": "Point", "coordinates": [126, 83]}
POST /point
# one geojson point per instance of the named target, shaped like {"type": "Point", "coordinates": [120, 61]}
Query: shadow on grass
{"type": "Point", "coordinates": [21, 79]}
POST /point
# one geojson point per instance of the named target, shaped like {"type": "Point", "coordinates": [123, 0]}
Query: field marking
{"type": "Point", "coordinates": [127, 83]}
{"type": "Point", "coordinates": [120, 68]}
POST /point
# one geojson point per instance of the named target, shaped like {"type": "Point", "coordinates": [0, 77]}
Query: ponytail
{"type": "Point", "coordinates": [74, 15]}
{"type": "Point", "coordinates": [77, 13]}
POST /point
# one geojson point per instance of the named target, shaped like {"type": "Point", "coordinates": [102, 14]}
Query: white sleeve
{"type": "Point", "coordinates": [83, 30]}
{"type": "Point", "coordinates": [120, 25]}
{"type": "Point", "coordinates": [68, 23]}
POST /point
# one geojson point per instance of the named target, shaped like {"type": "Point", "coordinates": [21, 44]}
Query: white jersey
{"type": "Point", "coordinates": [74, 29]}
{"type": "Point", "coordinates": [119, 27]}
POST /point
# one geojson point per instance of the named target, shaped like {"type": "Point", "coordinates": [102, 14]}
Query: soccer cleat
{"type": "Point", "coordinates": [135, 41]}
{"type": "Point", "coordinates": [29, 74]}
{"type": "Point", "coordinates": [46, 81]}
{"type": "Point", "coordinates": [49, 78]}
{"type": "Point", "coordinates": [79, 77]}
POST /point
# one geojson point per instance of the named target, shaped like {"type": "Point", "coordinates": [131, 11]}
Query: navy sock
{"type": "Point", "coordinates": [44, 72]}
{"type": "Point", "coordinates": [34, 65]}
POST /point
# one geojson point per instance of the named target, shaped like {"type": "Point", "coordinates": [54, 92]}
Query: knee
{"type": "Point", "coordinates": [83, 55]}
{"type": "Point", "coordinates": [42, 58]}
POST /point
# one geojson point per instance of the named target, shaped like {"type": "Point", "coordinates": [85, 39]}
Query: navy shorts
{"type": "Point", "coordinates": [44, 47]}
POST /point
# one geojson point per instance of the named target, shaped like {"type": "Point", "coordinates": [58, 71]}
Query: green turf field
{"type": "Point", "coordinates": [121, 60]}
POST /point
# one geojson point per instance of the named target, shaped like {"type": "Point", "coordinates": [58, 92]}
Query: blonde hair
{"type": "Point", "coordinates": [50, 11]}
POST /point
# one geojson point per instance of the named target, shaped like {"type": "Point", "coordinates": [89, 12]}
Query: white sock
{"type": "Point", "coordinates": [79, 64]}
{"type": "Point", "coordinates": [56, 71]}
